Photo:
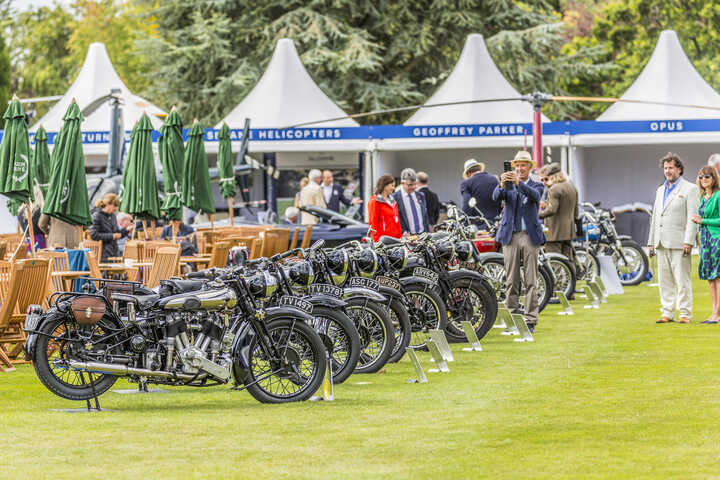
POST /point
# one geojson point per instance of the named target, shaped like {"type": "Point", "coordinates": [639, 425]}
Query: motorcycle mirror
{"type": "Point", "coordinates": [472, 202]}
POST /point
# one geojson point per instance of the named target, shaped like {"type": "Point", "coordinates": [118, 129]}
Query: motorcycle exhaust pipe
{"type": "Point", "coordinates": [124, 370]}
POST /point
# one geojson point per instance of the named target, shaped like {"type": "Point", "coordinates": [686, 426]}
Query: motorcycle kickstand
{"type": "Point", "coordinates": [95, 397]}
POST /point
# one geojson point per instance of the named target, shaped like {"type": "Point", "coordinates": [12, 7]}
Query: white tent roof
{"type": "Point", "coordinates": [475, 77]}
{"type": "Point", "coordinates": [97, 76]}
{"type": "Point", "coordinates": [286, 95]}
{"type": "Point", "coordinates": [668, 77]}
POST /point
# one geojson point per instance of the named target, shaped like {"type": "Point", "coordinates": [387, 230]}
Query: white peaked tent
{"type": "Point", "coordinates": [95, 79]}
{"type": "Point", "coordinates": [622, 168]}
{"type": "Point", "coordinates": [475, 77]}
{"type": "Point", "coordinates": [286, 95]}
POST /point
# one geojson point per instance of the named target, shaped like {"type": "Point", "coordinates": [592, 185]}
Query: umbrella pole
{"type": "Point", "coordinates": [152, 229]}
{"type": "Point", "coordinates": [174, 226]}
{"type": "Point", "coordinates": [232, 212]}
{"type": "Point", "coordinates": [144, 224]}
{"type": "Point", "coordinates": [31, 233]}
{"type": "Point", "coordinates": [212, 221]}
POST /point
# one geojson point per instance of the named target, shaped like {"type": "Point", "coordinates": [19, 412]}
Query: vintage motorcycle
{"type": "Point", "coordinates": [199, 338]}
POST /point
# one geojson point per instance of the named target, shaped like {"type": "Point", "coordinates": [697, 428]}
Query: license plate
{"type": "Point", "coordinates": [361, 282]}
{"type": "Point", "coordinates": [325, 289]}
{"type": "Point", "coordinates": [295, 302]}
{"type": "Point", "coordinates": [426, 274]}
{"type": "Point", "coordinates": [388, 282]}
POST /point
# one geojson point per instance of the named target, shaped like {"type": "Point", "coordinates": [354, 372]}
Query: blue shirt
{"type": "Point", "coordinates": [669, 187]}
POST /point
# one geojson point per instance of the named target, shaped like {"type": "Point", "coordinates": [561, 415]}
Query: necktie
{"type": "Point", "coordinates": [416, 222]}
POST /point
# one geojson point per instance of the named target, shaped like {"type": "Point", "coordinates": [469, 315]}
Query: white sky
{"type": "Point", "coordinates": [25, 4]}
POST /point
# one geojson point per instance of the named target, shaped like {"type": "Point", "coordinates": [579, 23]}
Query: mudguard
{"type": "Point", "coordinates": [557, 255]}
{"type": "Point", "coordinates": [246, 334]}
{"type": "Point", "coordinates": [33, 322]}
{"type": "Point", "coordinates": [485, 256]}
{"type": "Point", "coordinates": [325, 301]}
{"type": "Point", "coordinates": [415, 279]}
{"type": "Point", "coordinates": [352, 292]}
{"type": "Point", "coordinates": [624, 237]}
{"type": "Point", "coordinates": [390, 292]}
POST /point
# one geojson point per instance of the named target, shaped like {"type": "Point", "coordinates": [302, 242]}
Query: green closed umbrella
{"type": "Point", "coordinates": [15, 180]}
{"type": "Point", "coordinates": [67, 197]}
{"type": "Point", "coordinates": [40, 161]}
{"type": "Point", "coordinates": [225, 168]}
{"type": "Point", "coordinates": [138, 191]}
{"type": "Point", "coordinates": [172, 151]}
{"type": "Point", "coordinates": [196, 190]}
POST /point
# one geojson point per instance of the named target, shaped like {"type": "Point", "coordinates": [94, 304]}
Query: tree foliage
{"type": "Point", "coordinates": [364, 55]}
{"type": "Point", "coordinates": [629, 31]}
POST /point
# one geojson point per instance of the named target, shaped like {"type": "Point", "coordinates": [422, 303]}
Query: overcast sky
{"type": "Point", "coordinates": [24, 4]}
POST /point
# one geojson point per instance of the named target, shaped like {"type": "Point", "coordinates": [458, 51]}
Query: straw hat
{"type": "Point", "coordinates": [471, 163]}
{"type": "Point", "coordinates": [523, 156]}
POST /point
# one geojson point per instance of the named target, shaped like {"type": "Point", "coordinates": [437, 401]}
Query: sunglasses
{"type": "Point", "coordinates": [705, 177]}
{"type": "Point", "coordinates": [544, 179]}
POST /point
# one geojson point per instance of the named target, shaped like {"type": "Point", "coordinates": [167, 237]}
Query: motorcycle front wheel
{"type": "Point", "coordinates": [376, 333]}
{"type": "Point", "coordinates": [427, 312]}
{"type": "Point", "coordinates": [298, 374]}
{"type": "Point", "coordinates": [470, 301]}
{"type": "Point", "coordinates": [401, 326]}
{"type": "Point", "coordinates": [341, 339]}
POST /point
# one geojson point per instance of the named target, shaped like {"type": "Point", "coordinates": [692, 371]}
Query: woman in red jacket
{"type": "Point", "coordinates": [383, 210]}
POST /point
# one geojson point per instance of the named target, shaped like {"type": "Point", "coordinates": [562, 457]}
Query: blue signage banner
{"type": "Point", "coordinates": [369, 132]}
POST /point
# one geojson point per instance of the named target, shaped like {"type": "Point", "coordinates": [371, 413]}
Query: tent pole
{"type": "Point", "coordinates": [31, 230]}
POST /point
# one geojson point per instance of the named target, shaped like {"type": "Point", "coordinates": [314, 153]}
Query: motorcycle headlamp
{"type": "Point", "coordinates": [301, 273]}
{"type": "Point", "coordinates": [398, 258]}
{"type": "Point", "coordinates": [262, 284]}
{"type": "Point", "coordinates": [445, 251]}
{"type": "Point", "coordinates": [464, 251]}
{"type": "Point", "coordinates": [367, 262]}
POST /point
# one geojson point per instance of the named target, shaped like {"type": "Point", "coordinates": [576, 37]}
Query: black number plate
{"type": "Point", "coordinates": [425, 273]}
{"type": "Point", "coordinates": [325, 289]}
{"type": "Point", "coordinates": [295, 302]}
{"type": "Point", "coordinates": [362, 282]}
{"type": "Point", "coordinates": [388, 282]}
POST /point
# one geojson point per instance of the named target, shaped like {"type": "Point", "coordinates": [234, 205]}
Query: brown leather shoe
{"type": "Point", "coordinates": [664, 320]}
{"type": "Point", "coordinates": [684, 320]}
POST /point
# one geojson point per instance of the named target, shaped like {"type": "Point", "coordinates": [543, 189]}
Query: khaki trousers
{"type": "Point", "coordinates": [521, 251]}
{"type": "Point", "coordinates": [675, 282]}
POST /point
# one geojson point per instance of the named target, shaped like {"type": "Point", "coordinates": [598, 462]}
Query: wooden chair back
{"type": "Point", "coordinates": [133, 250]}
{"type": "Point", "coordinates": [94, 265]}
{"type": "Point", "coordinates": [165, 265]}
{"type": "Point", "coordinates": [58, 263]}
{"type": "Point", "coordinates": [33, 282]}
{"type": "Point", "coordinates": [3, 249]}
{"type": "Point", "coordinates": [294, 239]}
{"type": "Point", "coordinates": [219, 255]}
{"type": "Point", "coordinates": [307, 237]}
{"type": "Point", "coordinates": [9, 290]}
{"type": "Point", "coordinates": [150, 249]}
{"type": "Point", "coordinates": [12, 240]}
{"type": "Point", "coordinates": [19, 253]}
{"type": "Point", "coordinates": [281, 241]}
{"type": "Point", "coordinates": [94, 246]}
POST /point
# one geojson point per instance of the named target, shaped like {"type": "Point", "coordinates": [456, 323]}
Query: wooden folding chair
{"type": "Point", "coordinates": [19, 253]}
{"type": "Point", "coordinates": [307, 237]}
{"type": "Point", "coordinates": [281, 240]}
{"type": "Point", "coordinates": [58, 263]}
{"type": "Point", "coordinates": [28, 279]}
{"type": "Point", "coordinates": [94, 246]}
{"type": "Point", "coordinates": [165, 265]}
{"type": "Point", "coordinates": [294, 240]}
{"type": "Point", "coordinates": [219, 255]}
{"type": "Point", "coordinates": [3, 249]}
{"type": "Point", "coordinates": [133, 250]}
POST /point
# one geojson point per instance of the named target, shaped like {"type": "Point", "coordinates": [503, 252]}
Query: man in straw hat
{"type": "Point", "coordinates": [480, 185]}
{"type": "Point", "coordinates": [520, 234]}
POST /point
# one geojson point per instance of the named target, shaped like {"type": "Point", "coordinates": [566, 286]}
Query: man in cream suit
{"type": "Point", "coordinates": [672, 236]}
{"type": "Point", "coordinates": [312, 194]}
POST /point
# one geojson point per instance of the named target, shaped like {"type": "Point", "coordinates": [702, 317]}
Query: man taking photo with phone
{"type": "Point", "coordinates": [520, 234]}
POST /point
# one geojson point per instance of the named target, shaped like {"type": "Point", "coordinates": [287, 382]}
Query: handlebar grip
{"type": "Point", "coordinates": [202, 274]}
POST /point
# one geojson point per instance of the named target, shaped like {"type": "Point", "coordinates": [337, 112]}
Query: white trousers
{"type": "Point", "coordinates": [675, 282]}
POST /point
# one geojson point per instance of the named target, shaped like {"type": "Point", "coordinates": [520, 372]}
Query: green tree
{"type": "Point", "coordinates": [4, 75]}
{"type": "Point", "coordinates": [629, 31]}
{"type": "Point", "coordinates": [365, 55]}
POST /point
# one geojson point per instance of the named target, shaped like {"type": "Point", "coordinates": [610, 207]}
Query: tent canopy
{"type": "Point", "coordinates": [286, 95]}
{"type": "Point", "coordinates": [668, 77]}
{"type": "Point", "coordinates": [475, 77]}
{"type": "Point", "coordinates": [96, 78]}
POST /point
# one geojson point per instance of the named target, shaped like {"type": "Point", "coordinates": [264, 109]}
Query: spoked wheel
{"type": "Point", "coordinates": [469, 301]}
{"type": "Point", "coordinates": [563, 276]}
{"type": "Point", "coordinates": [341, 340]}
{"type": "Point", "coordinates": [401, 327]}
{"type": "Point", "coordinates": [299, 371]}
{"type": "Point", "coordinates": [427, 312]}
{"type": "Point", "coordinates": [65, 340]}
{"type": "Point", "coordinates": [376, 333]}
{"type": "Point", "coordinates": [632, 266]}
{"type": "Point", "coordinates": [587, 265]}
{"type": "Point", "coordinates": [495, 271]}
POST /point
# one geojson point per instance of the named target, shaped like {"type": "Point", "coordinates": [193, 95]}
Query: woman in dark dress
{"type": "Point", "coordinates": [708, 218]}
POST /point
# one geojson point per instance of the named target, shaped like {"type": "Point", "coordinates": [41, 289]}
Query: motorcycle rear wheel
{"type": "Point", "coordinates": [403, 330]}
{"type": "Point", "coordinates": [341, 338]}
{"type": "Point", "coordinates": [470, 300]}
{"type": "Point", "coordinates": [376, 333]}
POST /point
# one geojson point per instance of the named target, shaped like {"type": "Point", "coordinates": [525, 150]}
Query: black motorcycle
{"type": "Point", "coordinates": [81, 345]}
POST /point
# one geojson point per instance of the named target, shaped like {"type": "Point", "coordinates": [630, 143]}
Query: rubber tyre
{"type": "Point", "coordinates": [371, 363]}
{"type": "Point", "coordinates": [342, 323]}
{"type": "Point", "coordinates": [590, 266]}
{"type": "Point", "coordinates": [402, 328]}
{"type": "Point", "coordinates": [419, 325]}
{"type": "Point", "coordinates": [319, 363]}
{"type": "Point", "coordinates": [645, 263]}
{"type": "Point", "coordinates": [563, 263]}
{"type": "Point", "coordinates": [102, 383]}
{"type": "Point", "coordinates": [499, 266]}
{"type": "Point", "coordinates": [488, 304]}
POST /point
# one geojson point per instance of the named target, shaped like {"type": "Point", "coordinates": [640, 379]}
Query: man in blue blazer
{"type": "Point", "coordinates": [334, 193]}
{"type": "Point", "coordinates": [412, 205]}
{"type": "Point", "coordinates": [520, 234]}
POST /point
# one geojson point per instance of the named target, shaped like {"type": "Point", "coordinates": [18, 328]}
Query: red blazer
{"type": "Point", "coordinates": [384, 218]}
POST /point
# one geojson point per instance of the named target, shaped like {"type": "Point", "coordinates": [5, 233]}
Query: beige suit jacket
{"type": "Point", "coordinates": [561, 212]}
{"type": "Point", "coordinates": [670, 224]}
{"type": "Point", "coordinates": [311, 195]}
{"type": "Point", "coordinates": [59, 233]}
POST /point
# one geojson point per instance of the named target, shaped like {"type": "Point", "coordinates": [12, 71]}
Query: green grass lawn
{"type": "Point", "coordinates": [604, 393]}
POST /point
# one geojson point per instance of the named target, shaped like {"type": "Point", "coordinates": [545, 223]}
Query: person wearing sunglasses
{"type": "Point", "coordinates": [672, 236]}
{"type": "Point", "coordinates": [708, 218]}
